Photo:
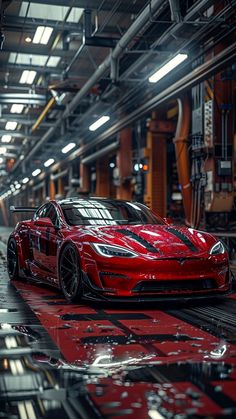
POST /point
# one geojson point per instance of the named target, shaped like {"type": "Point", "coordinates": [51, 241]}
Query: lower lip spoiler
{"type": "Point", "coordinates": [94, 293]}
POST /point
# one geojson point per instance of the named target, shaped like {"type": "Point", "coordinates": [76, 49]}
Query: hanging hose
{"type": "Point", "coordinates": [182, 154]}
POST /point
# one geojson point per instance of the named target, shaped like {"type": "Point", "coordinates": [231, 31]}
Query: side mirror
{"type": "Point", "coordinates": [44, 222]}
{"type": "Point", "coordinates": [168, 220]}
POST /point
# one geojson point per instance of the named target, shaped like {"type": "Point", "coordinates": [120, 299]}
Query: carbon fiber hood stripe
{"type": "Point", "coordinates": [138, 239]}
{"type": "Point", "coordinates": [183, 238]}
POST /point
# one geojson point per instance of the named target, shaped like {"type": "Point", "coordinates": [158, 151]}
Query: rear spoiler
{"type": "Point", "coordinates": [22, 209]}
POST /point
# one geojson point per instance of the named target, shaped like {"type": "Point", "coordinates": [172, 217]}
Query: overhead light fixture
{"type": "Point", "coordinates": [28, 39]}
{"type": "Point", "coordinates": [3, 150]}
{"type": "Point", "coordinates": [48, 162]}
{"type": "Point", "coordinates": [68, 147]}
{"type": "Point", "coordinates": [18, 186]}
{"type": "Point", "coordinates": [11, 125]}
{"type": "Point", "coordinates": [42, 35]}
{"type": "Point", "coordinates": [1, 160]}
{"type": "Point", "coordinates": [36, 172]}
{"type": "Point", "coordinates": [99, 123]}
{"type": "Point", "coordinates": [27, 77]}
{"type": "Point", "coordinates": [25, 180]}
{"type": "Point", "coordinates": [166, 68]}
{"type": "Point", "coordinates": [17, 108]}
{"type": "Point", "coordinates": [6, 138]}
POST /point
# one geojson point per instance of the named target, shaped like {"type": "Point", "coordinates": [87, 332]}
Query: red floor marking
{"type": "Point", "coordinates": [173, 397]}
{"type": "Point", "coordinates": [70, 336]}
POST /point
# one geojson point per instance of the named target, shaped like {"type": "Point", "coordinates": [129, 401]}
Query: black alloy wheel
{"type": "Point", "coordinates": [70, 274]}
{"type": "Point", "coordinates": [12, 260]}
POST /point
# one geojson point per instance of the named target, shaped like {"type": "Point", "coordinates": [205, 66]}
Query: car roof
{"type": "Point", "coordinates": [75, 199]}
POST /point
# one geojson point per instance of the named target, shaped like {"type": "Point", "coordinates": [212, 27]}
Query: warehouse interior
{"type": "Point", "coordinates": [131, 100]}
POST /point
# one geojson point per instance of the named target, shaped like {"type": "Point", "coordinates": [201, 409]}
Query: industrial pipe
{"type": "Point", "coordinates": [43, 113]}
{"type": "Point", "coordinates": [182, 156]}
{"type": "Point", "coordinates": [100, 153]}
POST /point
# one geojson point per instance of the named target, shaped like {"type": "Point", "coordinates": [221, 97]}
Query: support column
{"type": "Point", "coordinates": [156, 186]}
{"type": "Point", "coordinates": [4, 213]}
{"type": "Point", "coordinates": [102, 178]}
{"type": "Point", "coordinates": [124, 164]}
{"type": "Point", "coordinates": [52, 190]}
{"type": "Point", "coordinates": [60, 187]}
{"type": "Point", "coordinates": [84, 178]}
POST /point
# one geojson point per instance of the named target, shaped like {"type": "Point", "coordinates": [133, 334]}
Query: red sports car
{"type": "Point", "coordinates": [107, 249]}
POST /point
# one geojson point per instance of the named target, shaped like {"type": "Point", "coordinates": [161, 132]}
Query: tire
{"type": "Point", "coordinates": [12, 260]}
{"type": "Point", "coordinates": [70, 276]}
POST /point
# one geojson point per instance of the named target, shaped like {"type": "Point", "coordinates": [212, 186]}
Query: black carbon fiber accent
{"type": "Point", "coordinates": [183, 238]}
{"type": "Point", "coordinates": [138, 239]}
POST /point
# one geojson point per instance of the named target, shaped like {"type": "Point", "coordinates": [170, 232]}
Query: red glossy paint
{"type": "Point", "coordinates": [167, 261]}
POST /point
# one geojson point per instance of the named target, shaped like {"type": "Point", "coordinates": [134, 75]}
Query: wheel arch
{"type": "Point", "coordinates": [60, 252]}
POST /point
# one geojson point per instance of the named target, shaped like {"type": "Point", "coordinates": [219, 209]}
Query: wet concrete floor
{"type": "Point", "coordinates": [102, 361]}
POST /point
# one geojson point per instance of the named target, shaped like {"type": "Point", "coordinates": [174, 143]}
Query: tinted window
{"type": "Point", "coordinates": [94, 212]}
{"type": "Point", "coordinates": [49, 211]}
{"type": "Point", "coordinates": [52, 214]}
{"type": "Point", "coordinates": [41, 211]}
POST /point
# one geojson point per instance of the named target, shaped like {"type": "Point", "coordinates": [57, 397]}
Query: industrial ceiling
{"type": "Point", "coordinates": [64, 67]}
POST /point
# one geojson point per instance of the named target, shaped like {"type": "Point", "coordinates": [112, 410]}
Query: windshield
{"type": "Point", "coordinates": [107, 212]}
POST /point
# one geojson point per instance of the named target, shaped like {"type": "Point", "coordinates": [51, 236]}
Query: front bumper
{"type": "Point", "coordinates": [94, 293]}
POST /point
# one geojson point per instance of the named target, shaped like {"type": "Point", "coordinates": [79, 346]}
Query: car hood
{"type": "Point", "coordinates": [156, 240]}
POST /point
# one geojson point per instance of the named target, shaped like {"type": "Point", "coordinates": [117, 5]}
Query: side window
{"type": "Point", "coordinates": [41, 212]}
{"type": "Point", "coordinates": [52, 214]}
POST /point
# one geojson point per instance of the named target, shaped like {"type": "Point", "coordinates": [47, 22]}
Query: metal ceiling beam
{"type": "Point", "coordinates": [138, 25]}
{"type": "Point", "coordinates": [40, 70]}
{"type": "Point", "coordinates": [199, 74]}
{"type": "Point", "coordinates": [10, 146]}
{"type": "Point", "coordinates": [17, 134]}
{"type": "Point", "coordinates": [23, 120]}
{"type": "Point", "coordinates": [26, 98]}
{"type": "Point", "coordinates": [41, 50]}
{"type": "Point", "coordinates": [16, 23]}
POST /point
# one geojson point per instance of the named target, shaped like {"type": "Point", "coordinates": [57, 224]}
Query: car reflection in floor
{"type": "Point", "coordinates": [94, 361]}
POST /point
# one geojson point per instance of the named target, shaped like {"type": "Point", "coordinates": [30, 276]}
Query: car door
{"type": "Point", "coordinates": [44, 241]}
{"type": "Point", "coordinates": [50, 239]}
{"type": "Point", "coordinates": [37, 242]}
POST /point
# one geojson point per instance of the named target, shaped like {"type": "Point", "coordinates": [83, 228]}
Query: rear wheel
{"type": "Point", "coordinates": [70, 274]}
{"type": "Point", "coordinates": [12, 260]}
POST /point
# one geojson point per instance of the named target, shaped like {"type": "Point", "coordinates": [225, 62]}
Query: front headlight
{"type": "Point", "coordinates": [113, 251]}
{"type": "Point", "coordinates": [217, 249]}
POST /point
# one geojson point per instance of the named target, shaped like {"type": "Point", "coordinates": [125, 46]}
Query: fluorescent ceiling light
{"type": "Point", "coordinates": [1, 160]}
{"type": "Point", "coordinates": [42, 35]}
{"type": "Point", "coordinates": [17, 108]}
{"type": "Point", "coordinates": [36, 172]}
{"type": "Point", "coordinates": [49, 162]}
{"type": "Point", "coordinates": [68, 147]}
{"type": "Point", "coordinates": [11, 125]}
{"type": "Point", "coordinates": [166, 68]}
{"type": "Point", "coordinates": [18, 186]}
{"type": "Point", "coordinates": [6, 138]}
{"type": "Point", "coordinates": [99, 123]}
{"type": "Point", "coordinates": [25, 180]}
{"type": "Point", "coordinates": [3, 150]}
{"type": "Point", "coordinates": [27, 76]}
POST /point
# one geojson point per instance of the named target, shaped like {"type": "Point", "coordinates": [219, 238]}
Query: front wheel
{"type": "Point", "coordinates": [70, 274]}
{"type": "Point", "coordinates": [12, 260]}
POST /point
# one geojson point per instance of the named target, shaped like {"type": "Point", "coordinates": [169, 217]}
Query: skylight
{"type": "Point", "coordinates": [52, 12]}
{"type": "Point", "coordinates": [33, 59]}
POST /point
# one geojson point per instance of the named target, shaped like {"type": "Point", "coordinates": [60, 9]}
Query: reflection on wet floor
{"type": "Point", "coordinates": [91, 361]}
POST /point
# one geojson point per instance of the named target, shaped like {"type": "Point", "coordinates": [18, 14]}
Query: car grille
{"type": "Point", "coordinates": [175, 285]}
